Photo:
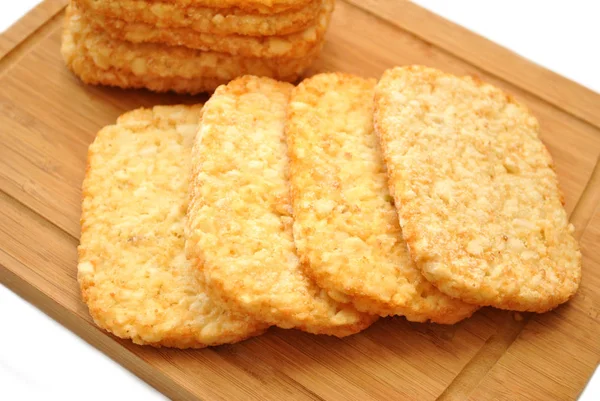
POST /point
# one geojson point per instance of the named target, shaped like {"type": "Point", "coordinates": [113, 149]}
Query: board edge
{"type": "Point", "coordinates": [551, 87]}
{"type": "Point", "coordinates": [17, 33]}
{"type": "Point", "coordinates": [92, 335]}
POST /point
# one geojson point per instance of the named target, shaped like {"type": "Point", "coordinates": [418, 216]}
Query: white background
{"type": "Point", "coordinates": [39, 359]}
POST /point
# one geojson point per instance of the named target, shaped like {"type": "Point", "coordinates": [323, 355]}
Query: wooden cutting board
{"type": "Point", "coordinates": [48, 119]}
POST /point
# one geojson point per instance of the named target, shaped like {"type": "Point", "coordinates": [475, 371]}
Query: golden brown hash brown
{"type": "Point", "coordinates": [260, 6]}
{"type": "Point", "coordinates": [476, 191]}
{"type": "Point", "coordinates": [132, 268]}
{"type": "Point", "coordinates": [219, 21]}
{"type": "Point", "coordinates": [240, 217]}
{"type": "Point", "coordinates": [156, 66]}
{"type": "Point", "coordinates": [295, 45]}
{"type": "Point", "coordinates": [85, 68]}
{"type": "Point", "coordinates": [345, 225]}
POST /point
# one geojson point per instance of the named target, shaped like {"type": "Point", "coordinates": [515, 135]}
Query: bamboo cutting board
{"type": "Point", "coordinates": [48, 119]}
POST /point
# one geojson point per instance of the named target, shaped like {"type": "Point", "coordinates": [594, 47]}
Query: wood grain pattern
{"type": "Point", "coordinates": [48, 119]}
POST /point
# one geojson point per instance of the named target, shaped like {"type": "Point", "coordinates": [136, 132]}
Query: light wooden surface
{"type": "Point", "coordinates": [47, 120]}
